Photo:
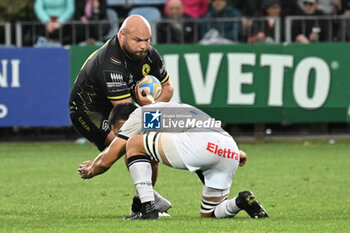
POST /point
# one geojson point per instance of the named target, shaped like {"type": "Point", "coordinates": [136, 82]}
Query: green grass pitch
{"type": "Point", "coordinates": [304, 186]}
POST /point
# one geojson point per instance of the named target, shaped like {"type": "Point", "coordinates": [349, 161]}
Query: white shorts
{"type": "Point", "coordinates": [215, 154]}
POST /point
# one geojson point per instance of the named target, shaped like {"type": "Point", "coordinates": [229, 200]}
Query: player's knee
{"type": "Point", "coordinates": [211, 199]}
{"type": "Point", "coordinates": [134, 146]}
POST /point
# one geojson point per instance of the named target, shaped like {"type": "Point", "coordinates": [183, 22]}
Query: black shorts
{"type": "Point", "coordinates": [92, 126]}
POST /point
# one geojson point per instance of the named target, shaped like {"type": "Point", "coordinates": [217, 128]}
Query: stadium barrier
{"type": "Point", "coordinates": [337, 28]}
{"type": "Point", "coordinates": [5, 34]}
{"type": "Point", "coordinates": [27, 33]}
{"type": "Point", "coordinates": [237, 84]}
{"type": "Point", "coordinates": [239, 29]}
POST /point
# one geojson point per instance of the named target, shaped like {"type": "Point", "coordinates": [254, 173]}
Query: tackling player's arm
{"type": "Point", "coordinates": [104, 160]}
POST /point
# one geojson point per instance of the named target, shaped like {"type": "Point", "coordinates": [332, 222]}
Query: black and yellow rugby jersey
{"type": "Point", "coordinates": [109, 75]}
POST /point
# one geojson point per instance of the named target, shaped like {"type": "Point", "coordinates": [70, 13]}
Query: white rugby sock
{"type": "Point", "coordinates": [141, 173]}
{"type": "Point", "coordinates": [226, 209]}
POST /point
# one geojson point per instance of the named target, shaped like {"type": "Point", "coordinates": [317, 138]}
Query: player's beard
{"type": "Point", "coordinates": [135, 56]}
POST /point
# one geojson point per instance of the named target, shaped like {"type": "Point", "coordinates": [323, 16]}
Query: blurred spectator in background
{"type": "Point", "coordinates": [345, 6]}
{"type": "Point", "coordinates": [249, 8]}
{"type": "Point", "coordinates": [2, 12]}
{"type": "Point", "coordinates": [345, 10]}
{"type": "Point", "coordinates": [310, 30]}
{"type": "Point", "coordinates": [289, 7]}
{"type": "Point", "coordinates": [193, 8]}
{"type": "Point", "coordinates": [88, 11]}
{"type": "Point", "coordinates": [253, 8]}
{"type": "Point", "coordinates": [331, 8]}
{"type": "Point", "coordinates": [215, 31]}
{"type": "Point", "coordinates": [264, 31]}
{"type": "Point", "coordinates": [2, 19]}
{"type": "Point", "coordinates": [15, 10]}
{"type": "Point", "coordinates": [54, 14]}
{"type": "Point", "coordinates": [177, 30]}
{"type": "Point", "coordinates": [328, 7]}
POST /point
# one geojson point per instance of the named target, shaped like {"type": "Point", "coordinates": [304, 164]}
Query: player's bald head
{"type": "Point", "coordinates": [135, 37]}
{"type": "Point", "coordinates": [135, 24]}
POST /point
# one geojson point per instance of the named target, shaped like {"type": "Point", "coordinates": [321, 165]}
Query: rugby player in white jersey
{"type": "Point", "coordinates": [119, 114]}
{"type": "Point", "coordinates": [209, 151]}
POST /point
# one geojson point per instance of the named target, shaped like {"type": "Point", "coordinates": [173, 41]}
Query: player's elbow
{"type": "Point", "coordinates": [167, 91]}
{"type": "Point", "coordinates": [170, 90]}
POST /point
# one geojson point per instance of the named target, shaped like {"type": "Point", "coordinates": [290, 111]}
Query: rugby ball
{"type": "Point", "coordinates": [151, 84]}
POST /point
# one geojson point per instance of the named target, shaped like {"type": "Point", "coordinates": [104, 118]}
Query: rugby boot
{"type": "Point", "coordinates": [247, 201]}
{"type": "Point", "coordinates": [135, 206]}
{"type": "Point", "coordinates": [148, 212]}
{"type": "Point", "coordinates": [161, 204]}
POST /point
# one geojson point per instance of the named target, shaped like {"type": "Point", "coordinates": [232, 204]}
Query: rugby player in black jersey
{"type": "Point", "coordinates": [108, 78]}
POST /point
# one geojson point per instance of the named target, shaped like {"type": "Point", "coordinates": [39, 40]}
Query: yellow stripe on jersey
{"type": "Point", "coordinates": [119, 97]}
{"type": "Point", "coordinates": [165, 79]}
{"type": "Point", "coordinates": [91, 55]}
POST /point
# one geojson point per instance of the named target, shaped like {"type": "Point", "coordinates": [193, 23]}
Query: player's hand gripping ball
{"type": "Point", "coordinates": [151, 84]}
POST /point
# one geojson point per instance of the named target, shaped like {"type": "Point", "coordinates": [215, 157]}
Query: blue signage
{"type": "Point", "coordinates": [34, 87]}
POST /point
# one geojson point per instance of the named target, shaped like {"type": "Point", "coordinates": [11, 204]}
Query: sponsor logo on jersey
{"type": "Point", "coordinates": [152, 119]}
{"type": "Point", "coordinates": [105, 126]}
{"type": "Point", "coordinates": [110, 85]}
{"type": "Point", "coordinates": [131, 79]}
{"type": "Point", "coordinates": [162, 70]}
{"type": "Point", "coordinates": [222, 152]}
{"type": "Point", "coordinates": [145, 69]}
{"type": "Point", "coordinates": [115, 77]}
{"type": "Point", "coordinates": [84, 124]}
